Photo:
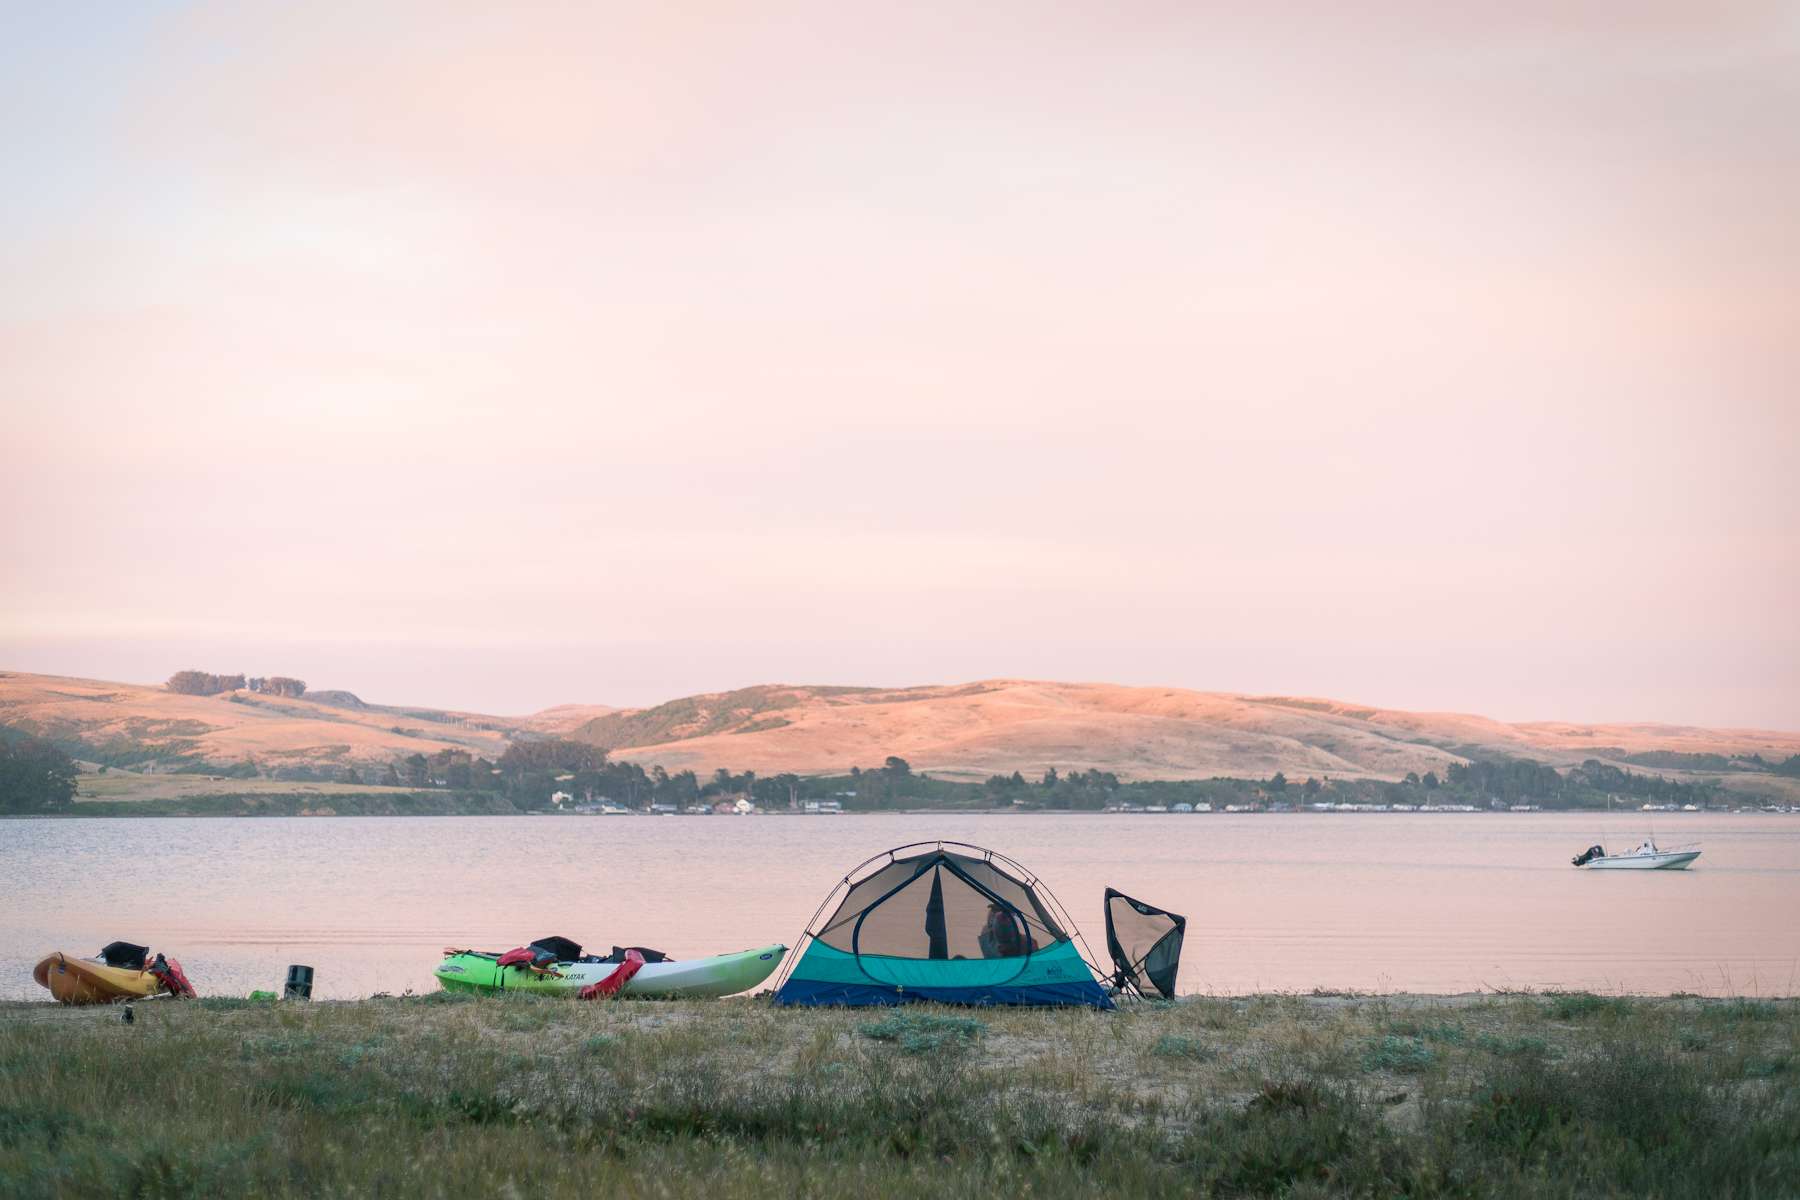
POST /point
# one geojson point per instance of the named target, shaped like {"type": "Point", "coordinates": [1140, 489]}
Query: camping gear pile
{"type": "Point", "coordinates": [929, 921]}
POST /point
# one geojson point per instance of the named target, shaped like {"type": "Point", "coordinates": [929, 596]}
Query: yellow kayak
{"type": "Point", "coordinates": [75, 980]}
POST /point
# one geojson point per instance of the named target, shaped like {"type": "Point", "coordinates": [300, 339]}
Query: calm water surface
{"type": "Point", "coordinates": [1391, 902]}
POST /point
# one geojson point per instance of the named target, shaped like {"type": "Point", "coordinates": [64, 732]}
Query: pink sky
{"type": "Point", "coordinates": [500, 356]}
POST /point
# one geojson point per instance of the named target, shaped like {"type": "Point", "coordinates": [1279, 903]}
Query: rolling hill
{"type": "Point", "coordinates": [966, 731]}
{"type": "Point", "coordinates": [999, 726]}
{"type": "Point", "coordinates": [137, 725]}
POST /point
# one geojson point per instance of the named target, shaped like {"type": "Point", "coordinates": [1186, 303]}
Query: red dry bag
{"type": "Point", "coordinates": [621, 975]}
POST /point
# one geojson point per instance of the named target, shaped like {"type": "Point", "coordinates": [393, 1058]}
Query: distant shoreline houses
{"type": "Point", "coordinates": [742, 806]}
{"type": "Point", "coordinates": [730, 806]}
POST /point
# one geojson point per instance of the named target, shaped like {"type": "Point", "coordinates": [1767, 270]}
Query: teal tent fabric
{"type": "Point", "coordinates": [946, 925]}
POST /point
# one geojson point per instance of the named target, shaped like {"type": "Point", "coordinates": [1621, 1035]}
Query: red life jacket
{"type": "Point", "coordinates": [168, 972]}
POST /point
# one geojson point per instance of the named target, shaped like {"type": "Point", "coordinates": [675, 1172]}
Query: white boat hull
{"type": "Point", "coordinates": [1667, 860]}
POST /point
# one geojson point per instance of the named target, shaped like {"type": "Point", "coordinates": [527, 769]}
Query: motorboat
{"type": "Point", "coordinates": [1645, 857]}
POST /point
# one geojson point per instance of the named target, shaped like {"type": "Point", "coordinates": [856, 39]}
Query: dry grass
{"type": "Point", "coordinates": [124, 722]}
{"type": "Point", "coordinates": [1302, 1096]}
{"type": "Point", "coordinates": [121, 785]}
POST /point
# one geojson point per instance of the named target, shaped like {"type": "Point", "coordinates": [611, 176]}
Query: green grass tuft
{"type": "Point", "coordinates": [443, 996]}
{"type": "Point", "coordinates": [1515, 1046]}
{"type": "Point", "coordinates": [1403, 1055]}
{"type": "Point", "coordinates": [1574, 1006]}
{"type": "Point", "coordinates": [1740, 1009]}
{"type": "Point", "coordinates": [925, 1033]}
{"type": "Point", "coordinates": [1693, 1040]}
{"type": "Point", "coordinates": [1441, 1032]}
{"type": "Point", "coordinates": [1174, 1045]}
{"type": "Point", "coordinates": [1769, 1066]}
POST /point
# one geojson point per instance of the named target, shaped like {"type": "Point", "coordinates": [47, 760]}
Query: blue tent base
{"type": "Point", "coordinates": [966, 927]}
{"type": "Point", "coordinates": [1055, 975]}
{"type": "Point", "coordinates": [815, 993]}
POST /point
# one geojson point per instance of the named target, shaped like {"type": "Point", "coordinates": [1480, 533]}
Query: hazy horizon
{"type": "Point", "coordinates": [492, 360]}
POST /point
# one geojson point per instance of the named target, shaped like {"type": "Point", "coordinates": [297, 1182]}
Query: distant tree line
{"type": "Point", "coordinates": [35, 776]}
{"type": "Point", "coordinates": [530, 772]}
{"type": "Point", "coordinates": [1675, 760]}
{"type": "Point", "coordinates": [1589, 785]}
{"type": "Point", "coordinates": [1076, 791]}
{"type": "Point", "coordinates": [1514, 779]}
{"type": "Point", "coordinates": [200, 683]}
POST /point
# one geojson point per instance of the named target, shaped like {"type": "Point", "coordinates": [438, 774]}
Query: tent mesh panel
{"type": "Point", "coordinates": [941, 905]}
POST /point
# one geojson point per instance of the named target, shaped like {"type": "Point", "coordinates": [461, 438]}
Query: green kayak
{"type": "Point", "coordinates": [720, 975]}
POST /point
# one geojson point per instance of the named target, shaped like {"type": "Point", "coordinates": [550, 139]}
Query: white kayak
{"type": "Point", "coordinates": [693, 978]}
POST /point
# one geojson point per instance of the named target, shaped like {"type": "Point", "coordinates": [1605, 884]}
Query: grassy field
{"type": "Point", "coordinates": [120, 793]}
{"type": "Point", "coordinates": [1559, 1095]}
{"type": "Point", "coordinates": [116, 785]}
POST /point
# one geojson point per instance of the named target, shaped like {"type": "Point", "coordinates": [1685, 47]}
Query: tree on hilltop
{"type": "Point", "coordinates": [201, 683]}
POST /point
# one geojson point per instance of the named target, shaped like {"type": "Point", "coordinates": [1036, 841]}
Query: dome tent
{"type": "Point", "coordinates": [942, 921]}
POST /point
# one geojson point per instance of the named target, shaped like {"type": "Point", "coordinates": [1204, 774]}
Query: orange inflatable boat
{"type": "Point", "coordinates": [122, 971]}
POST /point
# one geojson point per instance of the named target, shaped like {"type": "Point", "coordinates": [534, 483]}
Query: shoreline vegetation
{"type": "Point", "coordinates": [454, 804]}
{"type": "Point", "coordinates": [205, 744]}
{"type": "Point", "coordinates": [1560, 1094]}
{"type": "Point", "coordinates": [558, 776]}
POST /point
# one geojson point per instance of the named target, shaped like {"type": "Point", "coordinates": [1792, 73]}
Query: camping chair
{"type": "Point", "coordinates": [1145, 944]}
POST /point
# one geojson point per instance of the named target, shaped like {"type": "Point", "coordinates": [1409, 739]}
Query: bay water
{"type": "Point", "coordinates": [1395, 902]}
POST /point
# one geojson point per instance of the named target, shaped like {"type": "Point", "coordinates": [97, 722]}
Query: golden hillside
{"type": "Point", "coordinates": [137, 722]}
{"type": "Point", "coordinates": [999, 726]}
{"type": "Point", "coordinates": [965, 731]}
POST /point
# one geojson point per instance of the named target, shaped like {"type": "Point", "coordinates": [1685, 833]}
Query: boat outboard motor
{"type": "Point", "coordinates": [1588, 856]}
